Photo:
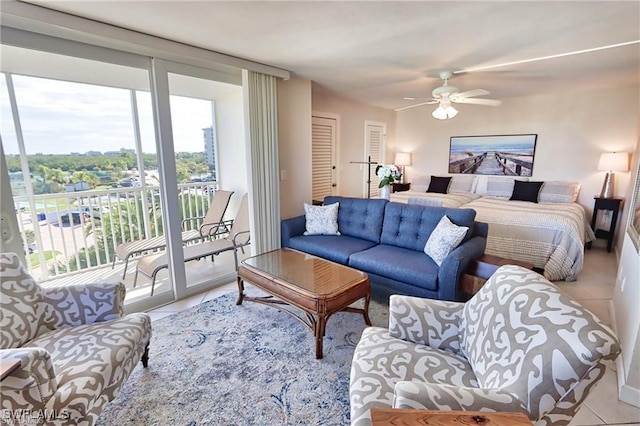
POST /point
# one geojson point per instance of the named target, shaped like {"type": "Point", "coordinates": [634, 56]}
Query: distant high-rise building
{"type": "Point", "coordinates": [210, 149]}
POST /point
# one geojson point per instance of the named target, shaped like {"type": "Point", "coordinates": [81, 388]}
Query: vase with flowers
{"type": "Point", "coordinates": [387, 174]}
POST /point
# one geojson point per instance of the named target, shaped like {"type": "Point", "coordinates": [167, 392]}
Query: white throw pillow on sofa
{"type": "Point", "coordinates": [444, 238]}
{"type": "Point", "coordinates": [321, 220]}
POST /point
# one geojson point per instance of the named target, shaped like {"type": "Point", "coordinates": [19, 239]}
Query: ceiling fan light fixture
{"type": "Point", "coordinates": [442, 113]}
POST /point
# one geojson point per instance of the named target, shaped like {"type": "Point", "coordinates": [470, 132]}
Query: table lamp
{"type": "Point", "coordinates": [402, 159]}
{"type": "Point", "coordinates": [612, 162]}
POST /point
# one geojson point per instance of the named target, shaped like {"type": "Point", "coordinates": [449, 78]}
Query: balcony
{"type": "Point", "coordinates": [71, 237]}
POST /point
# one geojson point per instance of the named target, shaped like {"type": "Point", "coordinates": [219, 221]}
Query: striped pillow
{"type": "Point", "coordinates": [559, 192]}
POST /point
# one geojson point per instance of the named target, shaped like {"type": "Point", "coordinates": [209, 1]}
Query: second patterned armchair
{"type": "Point", "coordinates": [519, 345]}
{"type": "Point", "coordinates": [74, 346]}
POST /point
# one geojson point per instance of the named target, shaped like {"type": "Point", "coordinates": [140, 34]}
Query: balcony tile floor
{"type": "Point", "coordinates": [594, 289]}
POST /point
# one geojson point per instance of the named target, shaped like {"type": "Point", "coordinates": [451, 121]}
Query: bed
{"type": "Point", "coordinates": [550, 233]}
{"type": "Point", "coordinates": [551, 236]}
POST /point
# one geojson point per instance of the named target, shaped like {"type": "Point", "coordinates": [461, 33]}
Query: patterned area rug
{"type": "Point", "coordinates": [222, 364]}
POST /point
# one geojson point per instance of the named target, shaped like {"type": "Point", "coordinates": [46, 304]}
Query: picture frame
{"type": "Point", "coordinates": [497, 155]}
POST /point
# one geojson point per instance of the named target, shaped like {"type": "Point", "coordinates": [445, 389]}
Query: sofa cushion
{"type": "Point", "coordinates": [321, 220]}
{"type": "Point", "coordinates": [409, 226]}
{"type": "Point", "coordinates": [21, 306]}
{"type": "Point", "coordinates": [336, 248]}
{"type": "Point", "coordinates": [444, 239]}
{"type": "Point", "coordinates": [360, 217]}
{"type": "Point", "coordinates": [405, 265]}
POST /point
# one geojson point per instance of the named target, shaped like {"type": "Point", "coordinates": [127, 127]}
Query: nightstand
{"type": "Point", "coordinates": [612, 204]}
{"type": "Point", "coordinates": [400, 187]}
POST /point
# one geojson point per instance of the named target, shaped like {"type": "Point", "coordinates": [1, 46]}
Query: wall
{"type": "Point", "coordinates": [351, 177]}
{"type": "Point", "coordinates": [294, 145]}
{"type": "Point", "coordinates": [626, 298]}
{"type": "Point", "coordinates": [573, 129]}
{"type": "Point", "coordinates": [231, 147]}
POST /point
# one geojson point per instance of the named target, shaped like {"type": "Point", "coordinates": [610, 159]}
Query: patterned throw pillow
{"type": "Point", "coordinates": [443, 239]}
{"type": "Point", "coordinates": [321, 220]}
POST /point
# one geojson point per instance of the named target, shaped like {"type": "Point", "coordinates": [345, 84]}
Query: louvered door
{"type": "Point", "coordinates": [374, 147]}
{"type": "Point", "coordinates": [323, 148]}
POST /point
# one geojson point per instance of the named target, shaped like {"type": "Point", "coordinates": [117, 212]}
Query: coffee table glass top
{"type": "Point", "coordinates": [308, 272]}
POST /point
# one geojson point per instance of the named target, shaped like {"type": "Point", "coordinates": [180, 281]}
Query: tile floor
{"type": "Point", "coordinates": [594, 289]}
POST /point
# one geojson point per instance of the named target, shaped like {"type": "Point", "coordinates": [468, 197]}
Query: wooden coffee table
{"type": "Point", "coordinates": [315, 286]}
{"type": "Point", "coordinates": [402, 417]}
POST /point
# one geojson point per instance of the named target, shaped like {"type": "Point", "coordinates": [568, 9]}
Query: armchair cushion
{"type": "Point", "coordinates": [380, 361]}
{"type": "Point", "coordinates": [83, 304]}
{"type": "Point", "coordinates": [20, 303]}
{"type": "Point", "coordinates": [93, 360]}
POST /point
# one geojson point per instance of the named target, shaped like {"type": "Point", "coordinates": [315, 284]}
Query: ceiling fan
{"type": "Point", "coordinates": [445, 95]}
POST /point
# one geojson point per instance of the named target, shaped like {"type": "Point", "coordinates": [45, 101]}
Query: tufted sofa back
{"type": "Point", "coordinates": [22, 309]}
{"type": "Point", "coordinates": [409, 226]}
{"type": "Point", "coordinates": [359, 217]}
{"type": "Point", "coordinates": [524, 336]}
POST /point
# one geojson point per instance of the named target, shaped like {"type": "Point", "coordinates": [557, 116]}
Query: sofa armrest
{"type": "Point", "coordinates": [455, 264]}
{"type": "Point", "coordinates": [32, 384]}
{"type": "Point", "coordinates": [432, 396]}
{"type": "Point", "coordinates": [83, 304]}
{"type": "Point", "coordinates": [428, 322]}
{"type": "Point", "coordinates": [292, 227]}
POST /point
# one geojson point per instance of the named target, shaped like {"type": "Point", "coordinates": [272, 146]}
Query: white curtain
{"type": "Point", "coordinates": [261, 114]}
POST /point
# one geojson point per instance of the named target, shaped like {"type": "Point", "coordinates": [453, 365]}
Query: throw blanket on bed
{"type": "Point", "coordinates": [452, 200]}
{"type": "Point", "coordinates": [551, 236]}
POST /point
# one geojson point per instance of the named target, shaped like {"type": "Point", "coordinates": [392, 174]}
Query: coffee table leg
{"type": "Point", "coordinates": [240, 291]}
{"type": "Point", "coordinates": [321, 324]}
{"type": "Point", "coordinates": [365, 312]}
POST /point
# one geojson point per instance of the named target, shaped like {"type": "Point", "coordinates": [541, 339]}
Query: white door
{"type": "Point", "coordinates": [323, 157]}
{"type": "Point", "coordinates": [375, 137]}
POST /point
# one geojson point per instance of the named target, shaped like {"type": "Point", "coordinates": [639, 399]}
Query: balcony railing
{"type": "Point", "coordinates": [77, 232]}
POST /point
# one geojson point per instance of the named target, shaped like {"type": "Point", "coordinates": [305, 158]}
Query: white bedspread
{"type": "Point", "coordinates": [551, 236]}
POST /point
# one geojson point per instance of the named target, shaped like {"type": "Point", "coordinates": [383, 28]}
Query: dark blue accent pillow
{"type": "Point", "coordinates": [439, 184]}
{"type": "Point", "coordinates": [526, 191]}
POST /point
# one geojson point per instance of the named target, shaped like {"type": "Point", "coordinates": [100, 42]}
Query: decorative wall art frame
{"type": "Point", "coordinates": [501, 155]}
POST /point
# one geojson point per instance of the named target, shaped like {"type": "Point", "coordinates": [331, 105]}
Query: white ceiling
{"type": "Point", "coordinates": [379, 52]}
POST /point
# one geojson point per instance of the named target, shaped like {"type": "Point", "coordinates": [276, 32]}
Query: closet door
{"type": "Point", "coordinates": [374, 151]}
{"type": "Point", "coordinates": [323, 148]}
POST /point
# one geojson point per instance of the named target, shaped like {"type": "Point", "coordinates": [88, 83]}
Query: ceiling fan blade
{"type": "Point", "coordinates": [472, 93]}
{"type": "Point", "coordinates": [477, 101]}
{"type": "Point", "coordinates": [417, 105]}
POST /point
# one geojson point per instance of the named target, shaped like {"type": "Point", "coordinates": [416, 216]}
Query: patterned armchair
{"type": "Point", "coordinates": [518, 345]}
{"type": "Point", "coordinates": [75, 347]}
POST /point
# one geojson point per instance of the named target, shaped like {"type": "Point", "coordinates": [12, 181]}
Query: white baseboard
{"type": "Point", "coordinates": [626, 393]}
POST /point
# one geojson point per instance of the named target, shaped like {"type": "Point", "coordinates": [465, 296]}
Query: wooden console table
{"type": "Point", "coordinates": [402, 417]}
{"type": "Point", "coordinates": [482, 268]}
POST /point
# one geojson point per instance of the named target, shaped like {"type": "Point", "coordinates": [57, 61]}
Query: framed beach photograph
{"type": "Point", "coordinates": [501, 155]}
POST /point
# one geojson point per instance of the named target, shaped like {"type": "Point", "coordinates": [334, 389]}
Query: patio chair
{"type": "Point", "coordinates": [237, 238]}
{"type": "Point", "coordinates": [212, 226]}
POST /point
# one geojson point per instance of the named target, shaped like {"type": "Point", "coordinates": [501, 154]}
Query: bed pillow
{"type": "Point", "coordinates": [499, 187]}
{"type": "Point", "coordinates": [321, 220]}
{"type": "Point", "coordinates": [559, 192]}
{"type": "Point", "coordinates": [444, 238]}
{"type": "Point", "coordinates": [420, 183]}
{"type": "Point", "coordinates": [439, 184]}
{"type": "Point", "coordinates": [461, 183]}
{"type": "Point", "coordinates": [526, 191]}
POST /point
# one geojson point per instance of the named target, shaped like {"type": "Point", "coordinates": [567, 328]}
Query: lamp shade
{"type": "Point", "coordinates": [403, 159]}
{"type": "Point", "coordinates": [614, 162]}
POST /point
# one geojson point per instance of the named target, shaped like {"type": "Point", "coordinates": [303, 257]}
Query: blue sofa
{"type": "Point", "coordinates": [386, 240]}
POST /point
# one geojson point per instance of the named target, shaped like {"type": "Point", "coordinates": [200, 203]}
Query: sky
{"type": "Point", "coordinates": [60, 117]}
